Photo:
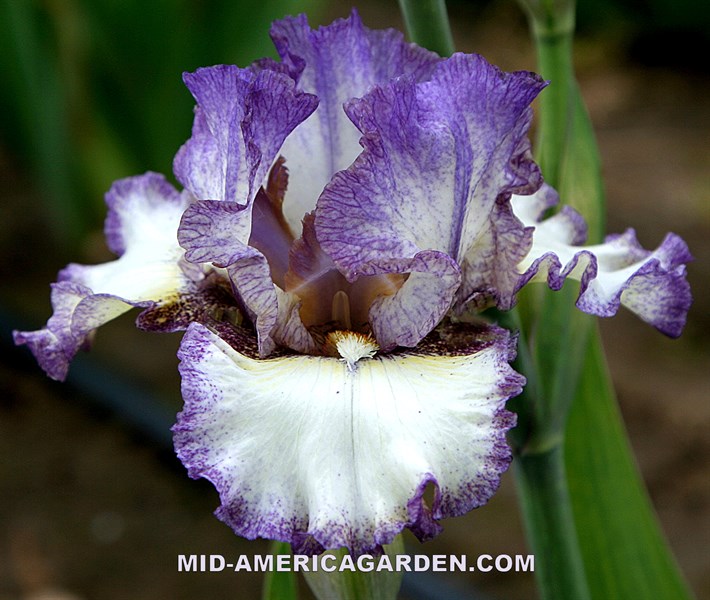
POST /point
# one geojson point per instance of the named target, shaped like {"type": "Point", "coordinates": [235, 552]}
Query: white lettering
{"type": "Point", "coordinates": [503, 558]}
{"type": "Point", "coordinates": [327, 563]}
{"type": "Point", "coordinates": [524, 563]}
{"type": "Point", "coordinates": [242, 564]}
{"type": "Point", "coordinates": [438, 562]}
{"type": "Point", "coordinates": [484, 566]}
{"type": "Point", "coordinates": [421, 562]}
{"type": "Point", "coordinates": [217, 562]}
{"type": "Point", "coordinates": [403, 563]}
{"type": "Point", "coordinates": [300, 562]}
{"type": "Point", "coordinates": [347, 563]}
{"type": "Point", "coordinates": [365, 563]}
{"type": "Point", "coordinates": [187, 563]}
{"type": "Point", "coordinates": [264, 562]}
{"type": "Point", "coordinates": [457, 563]}
{"type": "Point", "coordinates": [384, 563]}
{"type": "Point", "coordinates": [283, 562]}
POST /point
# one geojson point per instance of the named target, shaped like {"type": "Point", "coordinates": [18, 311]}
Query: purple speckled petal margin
{"type": "Point", "coordinates": [337, 62]}
{"type": "Point", "coordinates": [243, 117]}
{"type": "Point", "coordinates": [618, 272]}
{"type": "Point", "coordinates": [54, 346]}
{"type": "Point", "coordinates": [305, 451]}
{"type": "Point", "coordinates": [141, 227]}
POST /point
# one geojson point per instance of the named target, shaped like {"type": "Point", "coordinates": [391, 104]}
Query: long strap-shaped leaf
{"type": "Point", "coordinates": [624, 551]}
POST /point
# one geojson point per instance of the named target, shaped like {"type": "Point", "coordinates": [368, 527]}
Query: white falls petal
{"type": "Point", "coordinates": [324, 454]}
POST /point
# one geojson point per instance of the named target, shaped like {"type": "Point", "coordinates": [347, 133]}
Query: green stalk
{"type": "Point", "coordinates": [548, 323]}
{"type": "Point", "coordinates": [550, 527]}
{"type": "Point", "coordinates": [280, 585]}
{"type": "Point", "coordinates": [428, 25]}
{"type": "Point", "coordinates": [357, 585]}
{"type": "Point", "coordinates": [538, 441]}
{"type": "Point", "coordinates": [565, 147]}
{"type": "Point", "coordinates": [552, 27]}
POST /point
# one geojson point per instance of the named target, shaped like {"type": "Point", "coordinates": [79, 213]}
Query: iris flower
{"type": "Point", "coordinates": [346, 214]}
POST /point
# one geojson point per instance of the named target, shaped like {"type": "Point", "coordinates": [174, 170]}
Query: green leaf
{"type": "Point", "coordinates": [624, 550]}
{"type": "Point", "coordinates": [280, 585]}
{"type": "Point", "coordinates": [428, 25]}
{"type": "Point", "coordinates": [580, 183]}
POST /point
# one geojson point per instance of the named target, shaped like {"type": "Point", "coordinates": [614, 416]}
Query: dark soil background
{"type": "Point", "coordinates": [91, 508]}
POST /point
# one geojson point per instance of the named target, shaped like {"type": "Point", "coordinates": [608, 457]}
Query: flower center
{"type": "Point", "coordinates": [352, 346]}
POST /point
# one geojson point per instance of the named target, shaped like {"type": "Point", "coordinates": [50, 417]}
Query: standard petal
{"type": "Point", "coordinates": [307, 450]}
{"type": "Point", "coordinates": [242, 118]}
{"type": "Point", "coordinates": [441, 159]}
{"type": "Point", "coordinates": [141, 226]}
{"type": "Point", "coordinates": [337, 63]}
{"type": "Point", "coordinates": [618, 272]}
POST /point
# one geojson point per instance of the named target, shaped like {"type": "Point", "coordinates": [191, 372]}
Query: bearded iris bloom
{"type": "Point", "coordinates": [346, 215]}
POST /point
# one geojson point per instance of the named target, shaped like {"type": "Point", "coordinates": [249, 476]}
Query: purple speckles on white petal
{"type": "Point", "coordinates": [346, 454]}
{"type": "Point", "coordinates": [618, 272]}
{"type": "Point", "coordinates": [54, 346]}
{"type": "Point", "coordinates": [441, 159]}
{"type": "Point", "coordinates": [243, 117]}
{"type": "Point", "coordinates": [337, 63]}
{"type": "Point", "coordinates": [144, 213]}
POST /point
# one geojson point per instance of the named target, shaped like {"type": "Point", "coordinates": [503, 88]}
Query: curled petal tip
{"type": "Point", "coordinates": [652, 284]}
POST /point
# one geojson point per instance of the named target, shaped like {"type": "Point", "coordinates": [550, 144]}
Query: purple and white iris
{"type": "Point", "coordinates": [346, 213]}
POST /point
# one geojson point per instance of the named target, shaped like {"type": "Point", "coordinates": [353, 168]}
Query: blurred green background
{"type": "Point", "coordinates": [92, 91]}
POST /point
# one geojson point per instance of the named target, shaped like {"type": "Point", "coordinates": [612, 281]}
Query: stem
{"type": "Point", "coordinates": [428, 25]}
{"type": "Point", "coordinates": [280, 585]}
{"type": "Point", "coordinates": [550, 324]}
{"type": "Point", "coordinates": [550, 526]}
{"type": "Point", "coordinates": [553, 32]}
